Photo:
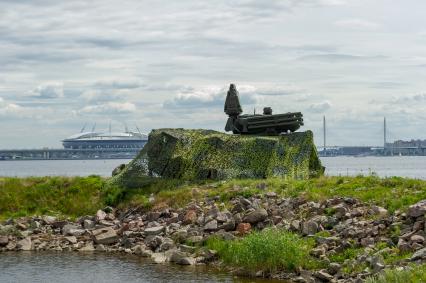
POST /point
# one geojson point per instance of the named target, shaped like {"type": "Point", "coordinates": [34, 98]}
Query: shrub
{"type": "Point", "coordinates": [269, 250]}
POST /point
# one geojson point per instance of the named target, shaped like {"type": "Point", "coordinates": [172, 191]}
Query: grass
{"type": "Point", "coordinates": [392, 193]}
{"type": "Point", "coordinates": [415, 274]}
{"type": "Point", "coordinates": [50, 195]}
{"type": "Point", "coordinates": [83, 195]}
{"type": "Point", "coordinates": [349, 253]}
{"type": "Point", "coordinates": [268, 250]}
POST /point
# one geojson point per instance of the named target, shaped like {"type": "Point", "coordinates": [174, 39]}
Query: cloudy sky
{"type": "Point", "coordinates": [168, 63]}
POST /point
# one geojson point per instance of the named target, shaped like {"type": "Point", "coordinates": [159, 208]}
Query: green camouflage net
{"type": "Point", "coordinates": [205, 154]}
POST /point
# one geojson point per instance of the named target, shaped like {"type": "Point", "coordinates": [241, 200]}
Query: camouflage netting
{"type": "Point", "coordinates": [205, 154]}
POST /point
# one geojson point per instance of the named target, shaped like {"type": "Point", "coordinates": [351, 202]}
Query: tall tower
{"type": "Point", "coordinates": [325, 133]}
{"type": "Point", "coordinates": [384, 133]}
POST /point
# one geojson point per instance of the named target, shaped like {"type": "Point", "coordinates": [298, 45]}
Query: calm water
{"type": "Point", "coordinates": [404, 166]}
{"type": "Point", "coordinates": [75, 267]}
{"type": "Point", "coordinates": [25, 168]}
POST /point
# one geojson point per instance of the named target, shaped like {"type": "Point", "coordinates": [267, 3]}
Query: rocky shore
{"type": "Point", "coordinates": [377, 237]}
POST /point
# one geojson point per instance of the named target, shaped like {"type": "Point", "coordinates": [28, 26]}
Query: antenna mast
{"type": "Point", "coordinates": [110, 128]}
{"type": "Point", "coordinates": [325, 133]}
{"type": "Point", "coordinates": [384, 133]}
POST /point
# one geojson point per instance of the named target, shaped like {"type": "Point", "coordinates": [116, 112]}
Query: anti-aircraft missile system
{"type": "Point", "coordinates": [258, 124]}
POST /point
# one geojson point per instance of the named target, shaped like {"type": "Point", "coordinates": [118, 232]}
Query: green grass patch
{"type": "Point", "coordinates": [84, 195]}
{"type": "Point", "coordinates": [269, 250]}
{"type": "Point", "coordinates": [50, 195]}
{"type": "Point", "coordinates": [349, 253]}
{"type": "Point", "coordinates": [415, 274]}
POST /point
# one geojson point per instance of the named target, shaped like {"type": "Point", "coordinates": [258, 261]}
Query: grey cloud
{"type": "Point", "coordinates": [109, 108]}
{"type": "Point", "coordinates": [119, 84]}
{"type": "Point", "coordinates": [336, 58]}
{"type": "Point", "coordinates": [49, 90]}
{"type": "Point", "coordinates": [320, 107]}
{"type": "Point", "coordinates": [211, 97]}
{"type": "Point", "coordinates": [387, 85]}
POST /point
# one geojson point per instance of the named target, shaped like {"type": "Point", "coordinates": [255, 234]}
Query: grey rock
{"type": "Point", "coordinates": [105, 236]}
{"type": "Point", "coordinates": [323, 275]}
{"type": "Point", "coordinates": [380, 211]}
{"type": "Point", "coordinates": [24, 244]}
{"type": "Point", "coordinates": [187, 261]}
{"type": "Point", "coordinates": [179, 257]}
{"type": "Point", "coordinates": [154, 230]}
{"type": "Point", "coordinates": [153, 242]}
{"type": "Point", "coordinates": [72, 230]}
{"type": "Point", "coordinates": [256, 216]}
{"type": "Point", "coordinates": [159, 257]}
{"type": "Point", "coordinates": [4, 240]}
{"type": "Point", "coordinates": [334, 268]}
{"type": "Point", "coordinates": [417, 209]}
{"type": "Point", "coordinates": [417, 239]}
{"type": "Point", "coordinates": [167, 244]}
{"type": "Point", "coordinates": [49, 219]}
{"type": "Point", "coordinates": [295, 225]}
{"type": "Point", "coordinates": [309, 228]}
{"type": "Point", "coordinates": [100, 215]}
{"type": "Point", "coordinates": [142, 251]}
{"type": "Point", "coordinates": [228, 226]}
{"type": "Point", "coordinates": [71, 239]}
{"type": "Point", "coordinates": [88, 247]}
{"type": "Point", "coordinates": [211, 226]}
{"type": "Point", "coordinates": [420, 254]}
{"type": "Point", "coordinates": [88, 224]}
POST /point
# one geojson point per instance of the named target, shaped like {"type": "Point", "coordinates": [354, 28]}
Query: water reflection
{"type": "Point", "coordinates": [95, 267]}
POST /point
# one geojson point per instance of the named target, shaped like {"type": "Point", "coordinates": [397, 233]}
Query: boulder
{"type": "Point", "coordinates": [88, 224]}
{"type": "Point", "coordinates": [100, 215]}
{"type": "Point", "coordinates": [417, 209]}
{"type": "Point", "coordinates": [323, 275]}
{"type": "Point", "coordinates": [420, 254]}
{"type": "Point", "coordinates": [256, 216]}
{"type": "Point", "coordinates": [309, 228]}
{"type": "Point", "coordinates": [152, 231]}
{"type": "Point", "coordinates": [105, 236]}
{"type": "Point", "coordinates": [88, 247]}
{"type": "Point", "coordinates": [211, 225]}
{"type": "Point", "coordinates": [4, 240]}
{"type": "Point", "coordinates": [72, 230]}
{"type": "Point", "coordinates": [206, 154]}
{"type": "Point", "coordinates": [159, 257]}
{"type": "Point", "coordinates": [24, 244]}
{"type": "Point", "coordinates": [71, 239]}
{"type": "Point", "coordinates": [181, 258]}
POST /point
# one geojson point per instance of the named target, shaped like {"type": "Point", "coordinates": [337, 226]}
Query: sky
{"type": "Point", "coordinates": [155, 64]}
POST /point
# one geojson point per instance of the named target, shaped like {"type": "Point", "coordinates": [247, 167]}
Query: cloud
{"type": "Point", "coordinates": [409, 99]}
{"type": "Point", "coordinates": [119, 84]}
{"type": "Point", "coordinates": [10, 110]}
{"type": "Point", "coordinates": [49, 90]}
{"type": "Point", "coordinates": [198, 98]}
{"type": "Point", "coordinates": [337, 58]}
{"type": "Point", "coordinates": [214, 96]}
{"type": "Point", "coordinates": [357, 24]}
{"type": "Point", "coordinates": [109, 108]}
{"type": "Point", "coordinates": [320, 107]}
